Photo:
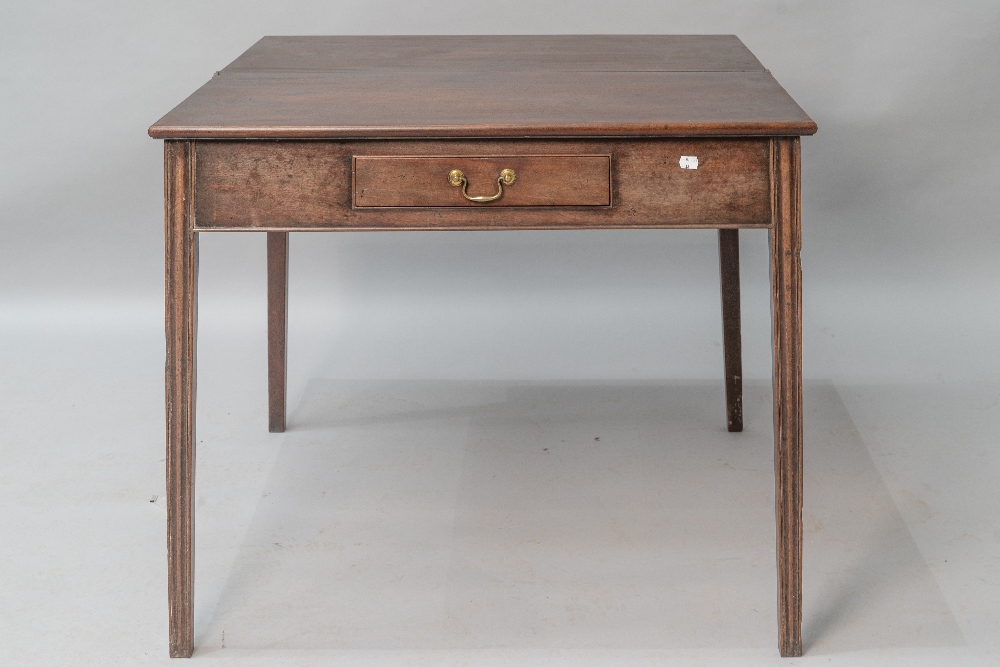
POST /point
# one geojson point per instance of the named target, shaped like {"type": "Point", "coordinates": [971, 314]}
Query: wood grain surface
{"type": "Point", "coordinates": [786, 308]}
{"type": "Point", "coordinates": [181, 245]}
{"type": "Point", "coordinates": [542, 180]}
{"type": "Point", "coordinates": [306, 185]}
{"type": "Point", "coordinates": [497, 53]}
{"type": "Point", "coordinates": [382, 87]}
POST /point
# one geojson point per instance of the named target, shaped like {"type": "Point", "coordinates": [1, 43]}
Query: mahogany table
{"type": "Point", "coordinates": [485, 133]}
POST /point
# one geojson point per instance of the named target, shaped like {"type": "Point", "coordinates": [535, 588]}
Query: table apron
{"type": "Point", "coordinates": [310, 185]}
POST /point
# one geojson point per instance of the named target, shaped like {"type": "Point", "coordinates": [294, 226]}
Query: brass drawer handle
{"type": "Point", "coordinates": [457, 178]}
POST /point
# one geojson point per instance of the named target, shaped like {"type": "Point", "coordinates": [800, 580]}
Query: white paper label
{"type": "Point", "coordinates": [689, 162]}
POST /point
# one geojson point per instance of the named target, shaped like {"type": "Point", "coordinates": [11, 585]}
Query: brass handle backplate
{"type": "Point", "coordinates": [506, 177]}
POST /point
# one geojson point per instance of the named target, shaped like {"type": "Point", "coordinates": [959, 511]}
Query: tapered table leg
{"type": "Point", "coordinates": [277, 328]}
{"type": "Point", "coordinates": [786, 289]}
{"type": "Point", "coordinates": [181, 244]}
{"type": "Point", "coordinates": [729, 270]}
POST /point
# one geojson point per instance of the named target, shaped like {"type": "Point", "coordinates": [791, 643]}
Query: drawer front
{"type": "Point", "coordinates": [560, 184]}
{"type": "Point", "coordinates": [498, 181]}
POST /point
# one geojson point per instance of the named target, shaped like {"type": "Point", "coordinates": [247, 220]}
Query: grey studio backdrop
{"type": "Point", "coordinates": [459, 354]}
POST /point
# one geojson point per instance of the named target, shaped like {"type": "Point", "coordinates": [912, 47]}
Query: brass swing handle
{"type": "Point", "coordinates": [506, 177]}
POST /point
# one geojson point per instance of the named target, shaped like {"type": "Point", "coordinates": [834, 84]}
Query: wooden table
{"type": "Point", "coordinates": [483, 133]}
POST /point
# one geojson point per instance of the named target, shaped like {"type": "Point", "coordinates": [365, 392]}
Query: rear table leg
{"type": "Point", "coordinates": [277, 328]}
{"type": "Point", "coordinates": [729, 269]}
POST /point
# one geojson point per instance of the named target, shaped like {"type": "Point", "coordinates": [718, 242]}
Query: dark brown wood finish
{"type": "Point", "coordinates": [181, 330]}
{"type": "Point", "coordinates": [729, 270]}
{"type": "Point", "coordinates": [499, 53]}
{"type": "Point", "coordinates": [383, 103]}
{"type": "Point", "coordinates": [541, 180]}
{"type": "Point", "coordinates": [277, 329]}
{"type": "Point", "coordinates": [517, 86]}
{"type": "Point", "coordinates": [347, 133]}
{"type": "Point", "coordinates": [786, 288]}
{"type": "Point", "coordinates": [306, 185]}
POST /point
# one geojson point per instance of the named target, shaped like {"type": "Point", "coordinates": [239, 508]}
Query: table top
{"type": "Point", "coordinates": [489, 86]}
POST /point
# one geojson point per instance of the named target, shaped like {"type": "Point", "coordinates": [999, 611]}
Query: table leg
{"type": "Point", "coordinates": [729, 269]}
{"type": "Point", "coordinates": [181, 245]}
{"type": "Point", "coordinates": [277, 328]}
{"type": "Point", "coordinates": [786, 291]}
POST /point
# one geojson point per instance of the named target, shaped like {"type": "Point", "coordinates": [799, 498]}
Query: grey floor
{"type": "Point", "coordinates": [479, 521]}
